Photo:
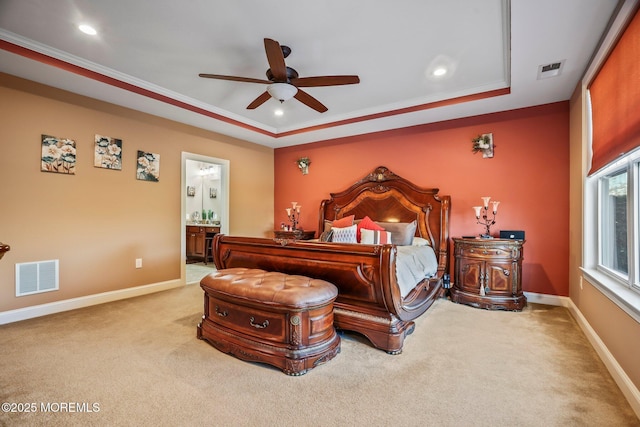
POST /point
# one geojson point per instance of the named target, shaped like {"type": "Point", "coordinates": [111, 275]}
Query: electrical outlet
{"type": "Point", "coordinates": [138, 262]}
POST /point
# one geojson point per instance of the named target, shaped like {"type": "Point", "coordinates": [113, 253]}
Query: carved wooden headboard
{"type": "Point", "coordinates": [385, 196]}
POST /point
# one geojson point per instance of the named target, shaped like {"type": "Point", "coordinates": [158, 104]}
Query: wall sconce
{"type": "Point", "coordinates": [303, 164]}
{"type": "Point", "coordinates": [484, 144]}
{"type": "Point", "coordinates": [4, 248]}
{"type": "Point", "coordinates": [481, 212]}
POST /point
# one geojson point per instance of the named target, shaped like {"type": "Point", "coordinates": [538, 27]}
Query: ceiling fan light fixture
{"type": "Point", "coordinates": [282, 91]}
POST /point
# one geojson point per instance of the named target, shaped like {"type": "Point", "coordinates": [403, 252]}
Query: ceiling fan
{"type": "Point", "coordinates": [284, 82]}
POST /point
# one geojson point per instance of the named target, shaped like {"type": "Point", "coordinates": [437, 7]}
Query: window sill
{"type": "Point", "coordinates": [625, 298]}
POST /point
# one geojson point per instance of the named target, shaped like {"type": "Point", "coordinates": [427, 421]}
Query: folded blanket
{"type": "Point", "coordinates": [413, 264]}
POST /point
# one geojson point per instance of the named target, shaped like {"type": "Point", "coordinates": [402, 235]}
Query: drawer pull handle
{"type": "Point", "coordinates": [221, 313]}
{"type": "Point", "coordinates": [257, 325]}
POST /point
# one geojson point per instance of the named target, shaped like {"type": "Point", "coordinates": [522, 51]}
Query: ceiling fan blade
{"type": "Point", "coordinates": [310, 101]}
{"type": "Point", "coordinates": [276, 60]}
{"type": "Point", "coordinates": [259, 101]}
{"type": "Point", "coordinates": [325, 81]}
{"type": "Point", "coordinates": [234, 78]}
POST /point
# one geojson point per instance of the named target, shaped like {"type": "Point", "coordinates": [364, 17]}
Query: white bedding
{"type": "Point", "coordinates": [413, 264]}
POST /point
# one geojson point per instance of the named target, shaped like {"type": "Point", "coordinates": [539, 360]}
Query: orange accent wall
{"type": "Point", "coordinates": [529, 175]}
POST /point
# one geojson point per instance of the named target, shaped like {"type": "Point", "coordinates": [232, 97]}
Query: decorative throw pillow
{"type": "Point", "coordinates": [374, 237]}
{"type": "Point", "coordinates": [343, 222]}
{"type": "Point", "coordinates": [401, 232]}
{"type": "Point", "coordinates": [367, 223]}
{"type": "Point", "coordinates": [344, 235]}
{"type": "Point", "coordinates": [326, 236]}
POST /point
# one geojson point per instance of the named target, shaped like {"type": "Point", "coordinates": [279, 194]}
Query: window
{"type": "Point", "coordinates": [612, 229]}
{"type": "Point", "coordinates": [613, 223]}
{"type": "Point", "coordinates": [618, 220]}
{"type": "Point", "coordinates": [611, 211]}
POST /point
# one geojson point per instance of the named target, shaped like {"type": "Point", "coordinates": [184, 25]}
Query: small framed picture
{"type": "Point", "coordinates": [191, 191]}
{"type": "Point", "coordinates": [108, 153]}
{"type": "Point", "coordinates": [148, 166]}
{"type": "Point", "coordinates": [213, 193]}
{"type": "Point", "coordinates": [58, 155]}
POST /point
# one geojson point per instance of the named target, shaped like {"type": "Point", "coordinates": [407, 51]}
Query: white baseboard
{"type": "Point", "coordinates": [547, 299]}
{"type": "Point", "coordinates": [86, 301]}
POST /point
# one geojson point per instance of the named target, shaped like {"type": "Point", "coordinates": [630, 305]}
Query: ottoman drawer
{"type": "Point", "coordinates": [248, 320]}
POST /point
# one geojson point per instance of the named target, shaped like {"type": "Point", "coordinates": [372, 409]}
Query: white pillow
{"type": "Point", "coordinates": [374, 237]}
{"type": "Point", "coordinates": [345, 235]}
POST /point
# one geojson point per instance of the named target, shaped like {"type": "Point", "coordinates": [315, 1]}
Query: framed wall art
{"type": "Point", "coordinates": [58, 155]}
{"type": "Point", "coordinates": [148, 167]}
{"type": "Point", "coordinates": [108, 153]}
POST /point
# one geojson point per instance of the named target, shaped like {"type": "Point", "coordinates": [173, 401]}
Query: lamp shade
{"type": "Point", "coordinates": [282, 91]}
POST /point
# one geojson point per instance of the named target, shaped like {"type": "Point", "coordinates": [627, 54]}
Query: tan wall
{"type": "Point", "coordinates": [619, 332]}
{"type": "Point", "coordinates": [98, 221]}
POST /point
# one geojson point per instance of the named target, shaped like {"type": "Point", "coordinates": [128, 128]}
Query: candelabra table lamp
{"type": "Point", "coordinates": [293, 214]}
{"type": "Point", "coordinates": [291, 233]}
{"type": "Point", "coordinates": [483, 218]}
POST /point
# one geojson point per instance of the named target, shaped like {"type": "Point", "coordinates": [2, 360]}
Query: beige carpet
{"type": "Point", "coordinates": [197, 271]}
{"type": "Point", "coordinates": [138, 362]}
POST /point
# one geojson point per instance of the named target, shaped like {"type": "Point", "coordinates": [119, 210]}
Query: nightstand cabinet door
{"type": "Point", "coordinates": [469, 275]}
{"type": "Point", "coordinates": [488, 273]}
{"type": "Point", "coordinates": [501, 278]}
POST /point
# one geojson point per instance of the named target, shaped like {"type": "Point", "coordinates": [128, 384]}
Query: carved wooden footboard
{"type": "Point", "coordinates": [369, 299]}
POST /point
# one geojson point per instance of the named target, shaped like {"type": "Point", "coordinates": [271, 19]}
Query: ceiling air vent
{"type": "Point", "coordinates": [550, 70]}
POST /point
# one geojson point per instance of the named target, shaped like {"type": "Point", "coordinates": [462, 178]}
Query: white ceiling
{"type": "Point", "coordinates": [151, 53]}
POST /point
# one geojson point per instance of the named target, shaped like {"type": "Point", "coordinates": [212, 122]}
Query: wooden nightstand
{"type": "Point", "coordinates": [488, 273]}
{"type": "Point", "coordinates": [294, 235]}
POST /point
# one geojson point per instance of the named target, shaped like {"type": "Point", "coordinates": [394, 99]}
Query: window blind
{"type": "Point", "coordinates": [615, 100]}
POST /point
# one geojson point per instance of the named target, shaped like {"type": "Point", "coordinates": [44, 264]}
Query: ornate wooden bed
{"type": "Point", "coordinates": [369, 298]}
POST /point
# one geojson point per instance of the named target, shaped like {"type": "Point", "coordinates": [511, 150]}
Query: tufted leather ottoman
{"type": "Point", "coordinates": [269, 317]}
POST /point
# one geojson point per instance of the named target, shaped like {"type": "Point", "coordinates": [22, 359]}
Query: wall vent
{"type": "Point", "coordinates": [550, 70]}
{"type": "Point", "coordinates": [36, 277]}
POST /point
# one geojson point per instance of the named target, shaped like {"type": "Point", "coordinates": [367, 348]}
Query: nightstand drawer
{"type": "Point", "coordinates": [480, 251]}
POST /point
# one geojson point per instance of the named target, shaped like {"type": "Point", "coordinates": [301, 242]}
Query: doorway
{"type": "Point", "coordinates": [204, 196]}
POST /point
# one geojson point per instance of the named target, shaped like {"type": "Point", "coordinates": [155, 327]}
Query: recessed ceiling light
{"type": "Point", "coordinates": [440, 67]}
{"type": "Point", "coordinates": [278, 112]}
{"type": "Point", "coordinates": [87, 29]}
{"type": "Point", "coordinates": [440, 71]}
